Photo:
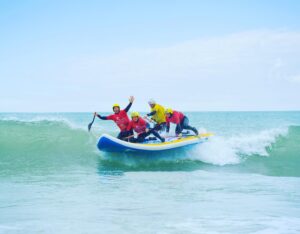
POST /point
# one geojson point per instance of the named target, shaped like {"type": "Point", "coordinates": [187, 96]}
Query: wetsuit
{"type": "Point", "coordinates": [181, 121]}
{"type": "Point", "coordinates": [158, 115]}
{"type": "Point", "coordinates": [140, 127]}
{"type": "Point", "coordinates": [122, 121]}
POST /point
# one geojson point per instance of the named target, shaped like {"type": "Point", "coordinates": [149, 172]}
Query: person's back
{"type": "Point", "coordinates": [159, 117]}
{"type": "Point", "coordinates": [181, 121]}
{"type": "Point", "coordinates": [175, 118]}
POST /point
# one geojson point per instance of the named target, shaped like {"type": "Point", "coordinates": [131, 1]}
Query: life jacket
{"type": "Point", "coordinates": [159, 117]}
{"type": "Point", "coordinates": [121, 119]}
{"type": "Point", "coordinates": [139, 126]}
{"type": "Point", "coordinates": [175, 118]}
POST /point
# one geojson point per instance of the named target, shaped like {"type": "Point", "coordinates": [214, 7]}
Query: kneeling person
{"type": "Point", "coordinates": [141, 127]}
{"type": "Point", "coordinates": [181, 121]}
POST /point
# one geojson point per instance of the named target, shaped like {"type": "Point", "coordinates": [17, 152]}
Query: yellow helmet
{"type": "Point", "coordinates": [116, 105]}
{"type": "Point", "coordinates": [169, 111]}
{"type": "Point", "coordinates": [135, 114]}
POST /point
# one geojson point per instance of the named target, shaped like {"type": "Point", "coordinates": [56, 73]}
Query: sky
{"type": "Point", "coordinates": [75, 56]}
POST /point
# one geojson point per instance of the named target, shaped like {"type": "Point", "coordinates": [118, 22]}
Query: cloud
{"type": "Point", "coordinates": [204, 56]}
{"type": "Point", "coordinates": [295, 78]}
{"type": "Point", "coordinates": [255, 70]}
{"type": "Point", "coordinates": [239, 71]}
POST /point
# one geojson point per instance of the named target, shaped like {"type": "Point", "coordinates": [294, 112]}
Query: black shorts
{"type": "Point", "coordinates": [124, 134]}
{"type": "Point", "coordinates": [160, 127]}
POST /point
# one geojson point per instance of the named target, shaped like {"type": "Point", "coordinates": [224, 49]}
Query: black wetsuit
{"type": "Point", "coordinates": [141, 137]}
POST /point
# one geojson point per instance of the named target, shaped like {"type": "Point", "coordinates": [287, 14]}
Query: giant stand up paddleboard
{"type": "Point", "coordinates": [112, 144]}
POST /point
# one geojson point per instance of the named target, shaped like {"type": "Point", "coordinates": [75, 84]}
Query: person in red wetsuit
{"type": "Point", "coordinates": [120, 117]}
{"type": "Point", "coordinates": [181, 121]}
{"type": "Point", "coordinates": [142, 128]}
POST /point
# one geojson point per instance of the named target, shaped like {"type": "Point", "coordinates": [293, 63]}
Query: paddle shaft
{"type": "Point", "coordinates": [148, 119]}
{"type": "Point", "coordinates": [133, 135]}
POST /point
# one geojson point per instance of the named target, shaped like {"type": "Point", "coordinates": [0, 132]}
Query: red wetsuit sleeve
{"type": "Point", "coordinates": [111, 117]}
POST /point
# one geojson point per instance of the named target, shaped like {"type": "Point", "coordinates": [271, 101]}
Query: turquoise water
{"type": "Point", "coordinates": [246, 179]}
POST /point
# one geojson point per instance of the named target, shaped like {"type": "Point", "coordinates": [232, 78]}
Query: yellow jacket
{"type": "Point", "coordinates": [159, 117]}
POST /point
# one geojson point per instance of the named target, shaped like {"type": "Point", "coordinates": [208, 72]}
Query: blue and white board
{"type": "Point", "coordinates": [112, 144]}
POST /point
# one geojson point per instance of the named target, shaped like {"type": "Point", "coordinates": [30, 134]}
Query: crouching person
{"type": "Point", "coordinates": [142, 128]}
{"type": "Point", "coordinates": [181, 121]}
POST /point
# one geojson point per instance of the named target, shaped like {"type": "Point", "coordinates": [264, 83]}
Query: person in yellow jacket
{"type": "Point", "coordinates": [158, 115]}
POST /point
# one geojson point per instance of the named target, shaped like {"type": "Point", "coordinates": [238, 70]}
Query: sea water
{"type": "Point", "coordinates": [246, 179]}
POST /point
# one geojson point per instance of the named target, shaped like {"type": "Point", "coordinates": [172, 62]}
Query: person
{"type": "Point", "coordinates": [181, 121]}
{"type": "Point", "coordinates": [120, 117]}
{"type": "Point", "coordinates": [142, 128]}
{"type": "Point", "coordinates": [158, 115]}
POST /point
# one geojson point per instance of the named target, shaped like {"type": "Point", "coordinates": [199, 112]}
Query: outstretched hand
{"type": "Point", "coordinates": [131, 99]}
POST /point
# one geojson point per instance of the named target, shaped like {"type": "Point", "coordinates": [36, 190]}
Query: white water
{"type": "Point", "coordinates": [221, 150]}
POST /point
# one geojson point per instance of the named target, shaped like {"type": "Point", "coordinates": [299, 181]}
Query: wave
{"type": "Point", "coordinates": [41, 120]}
{"type": "Point", "coordinates": [233, 150]}
{"type": "Point", "coordinates": [274, 152]}
{"type": "Point", "coordinates": [38, 145]}
{"type": "Point", "coordinates": [52, 144]}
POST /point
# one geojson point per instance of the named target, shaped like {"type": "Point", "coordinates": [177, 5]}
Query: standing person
{"type": "Point", "coordinates": [120, 117]}
{"type": "Point", "coordinates": [158, 115]}
{"type": "Point", "coordinates": [181, 121]}
{"type": "Point", "coordinates": [142, 128]}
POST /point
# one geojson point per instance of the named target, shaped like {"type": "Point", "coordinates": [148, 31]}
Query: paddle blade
{"type": "Point", "coordinates": [91, 123]}
{"type": "Point", "coordinates": [89, 126]}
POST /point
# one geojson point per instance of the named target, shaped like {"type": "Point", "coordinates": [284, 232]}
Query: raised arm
{"type": "Point", "coordinates": [128, 107]}
{"type": "Point", "coordinates": [131, 99]}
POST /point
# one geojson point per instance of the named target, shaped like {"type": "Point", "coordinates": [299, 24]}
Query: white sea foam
{"type": "Point", "coordinates": [220, 150]}
{"type": "Point", "coordinates": [37, 119]}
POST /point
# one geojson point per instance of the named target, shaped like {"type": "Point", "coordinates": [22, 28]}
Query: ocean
{"type": "Point", "coordinates": [245, 179]}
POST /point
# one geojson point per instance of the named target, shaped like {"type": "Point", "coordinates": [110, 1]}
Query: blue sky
{"type": "Point", "coordinates": [86, 55]}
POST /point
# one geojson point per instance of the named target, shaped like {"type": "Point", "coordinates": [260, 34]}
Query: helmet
{"type": "Point", "coordinates": [169, 111]}
{"type": "Point", "coordinates": [135, 114]}
{"type": "Point", "coordinates": [151, 102]}
{"type": "Point", "coordinates": [115, 105]}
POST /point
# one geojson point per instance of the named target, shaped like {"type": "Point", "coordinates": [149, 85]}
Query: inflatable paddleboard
{"type": "Point", "coordinates": [112, 144]}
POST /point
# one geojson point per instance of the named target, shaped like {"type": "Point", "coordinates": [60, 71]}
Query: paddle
{"type": "Point", "coordinates": [208, 134]}
{"type": "Point", "coordinates": [91, 123]}
{"type": "Point", "coordinates": [128, 137]}
{"type": "Point", "coordinates": [148, 119]}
